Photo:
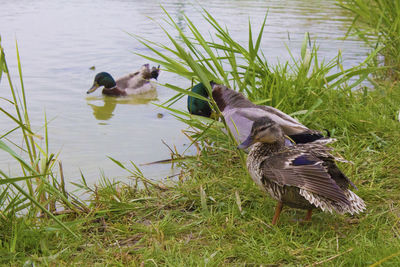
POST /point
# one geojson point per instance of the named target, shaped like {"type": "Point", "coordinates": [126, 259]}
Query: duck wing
{"type": "Point", "coordinates": [322, 152]}
{"type": "Point", "coordinates": [143, 87]}
{"type": "Point", "coordinates": [289, 125]}
{"type": "Point", "coordinates": [228, 99]}
{"type": "Point", "coordinates": [239, 124]}
{"type": "Point", "coordinates": [303, 170]}
{"type": "Point", "coordinates": [240, 121]}
{"type": "Point", "coordinates": [135, 79]}
{"type": "Point", "coordinates": [123, 82]}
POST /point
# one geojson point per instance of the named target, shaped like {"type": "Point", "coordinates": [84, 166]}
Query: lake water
{"type": "Point", "coordinates": [60, 40]}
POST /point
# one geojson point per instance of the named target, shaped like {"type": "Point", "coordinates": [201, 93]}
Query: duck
{"type": "Point", "coordinates": [303, 176]}
{"type": "Point", "coordinates": [240, 113]}
{"type": "Point", "coordinates": [137, 83]}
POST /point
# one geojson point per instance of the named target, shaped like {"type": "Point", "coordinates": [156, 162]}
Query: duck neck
{"type": "Point", "coordinates": [225, 98]}
{"type": "Point", "coordinates": [260, 150]}
{"type": "Point", "coordinates": [111, 87]}
{"type": "Point", "coordinates": [218, 98]}
{"type": "Point", "coordinates": [114, 91]}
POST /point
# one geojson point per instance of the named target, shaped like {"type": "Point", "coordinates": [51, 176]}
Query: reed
{"type": "Point", "coordinates": [39, 191]}
{"type": "Point", "coordinates": [377, 22]}
{"type": "Point", "coordinates": [298, 87]}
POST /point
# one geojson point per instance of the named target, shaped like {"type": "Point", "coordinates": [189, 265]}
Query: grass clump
{"type": "Point", "coordinates": [35, 190]}
{"type": "Point", "coordinates": [297, 87]}
{"type": "Point", "coordinates": [377, 22]}
{"type": "Point", "coordinates": [214, 214]}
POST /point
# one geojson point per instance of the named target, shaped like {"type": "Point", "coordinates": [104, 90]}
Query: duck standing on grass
{"type": "Point", "coordinates": [302, 176]}
{"type": "Point", "coordinates": [240, 113]}
{"type": "Point", "coordinates": [137, 83]}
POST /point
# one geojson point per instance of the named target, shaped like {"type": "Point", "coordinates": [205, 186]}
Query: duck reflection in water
{"type": "Point", "coordinates": [106, 111]}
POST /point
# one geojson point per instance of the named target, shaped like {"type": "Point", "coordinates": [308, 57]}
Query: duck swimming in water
{"type": "Point", "coordinates": [240, 113]}
{"type": "Point", "coordinates": [137, 83]}
{"type": "Point", "coordinates": [302, 176]}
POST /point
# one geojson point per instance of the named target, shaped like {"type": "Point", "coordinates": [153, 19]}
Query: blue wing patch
{"type": "Point", "coordinates": [302, 160]}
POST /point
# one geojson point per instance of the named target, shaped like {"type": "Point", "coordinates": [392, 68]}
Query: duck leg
{"type": "Point", "coordinates": [308, 216]}
{"type": "Point", "coordinates": [278, 210]}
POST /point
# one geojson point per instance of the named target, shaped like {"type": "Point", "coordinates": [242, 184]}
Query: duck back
{"type": "Point", "coordinates": [142, 88]}
{"type": "Point", "coordinates": [241, 112]}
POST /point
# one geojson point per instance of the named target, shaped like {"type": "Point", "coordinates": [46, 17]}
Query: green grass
{"type": "Point", "coordinates": [200, 221]}
{"type": "Point", "coordinates": [36, 189]}
{"type": "Point", "coordinates": [213, 214]}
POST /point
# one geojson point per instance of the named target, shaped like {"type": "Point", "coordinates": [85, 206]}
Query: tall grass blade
{"type": "Point", "coordinates": [28, 196]}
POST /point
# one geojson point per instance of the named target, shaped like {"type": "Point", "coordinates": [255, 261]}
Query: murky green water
{"type": "Point", "coordinates": [60, 40]}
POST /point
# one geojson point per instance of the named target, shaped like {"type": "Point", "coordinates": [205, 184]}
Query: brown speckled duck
{"type": "Point", "coordinates": [302, 176]}
{"type": "Point", "coordinates": [136, 83]}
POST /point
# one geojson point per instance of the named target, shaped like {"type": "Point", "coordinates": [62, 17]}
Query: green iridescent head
{"type": "Point", "coordinates": [198, 106]}
{"type": "Point", "coordinates": [102, 79]}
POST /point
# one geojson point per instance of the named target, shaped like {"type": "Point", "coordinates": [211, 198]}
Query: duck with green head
{"type": "Point", "coordinates": [240, 113]}
{"type": "Point", "coordinates": [302, 176]}
{"type": "Point", "coordinates": [136, 83]}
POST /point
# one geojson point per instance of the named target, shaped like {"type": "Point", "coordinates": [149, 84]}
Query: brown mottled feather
{"type": "Point", "coordinates": [301, 176]}
{"type": "Point", "coordinates": [322, 152]}
{"type": "Point", "coordinates": [123, 81]}
{"type": "Point", "coordinates": [314, 178]}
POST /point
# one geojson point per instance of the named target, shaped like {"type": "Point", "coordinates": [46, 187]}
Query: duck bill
{"type": "Point", "coordinates": [93, 88]}
{"type": "Point", "coordinates": [246, 143]}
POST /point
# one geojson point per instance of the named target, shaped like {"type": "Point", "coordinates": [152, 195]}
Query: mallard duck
{"type": "Point", "coordinates": [302, 176]}
{"type": "Point", "coordinates": [240, 113]}
{"type": "Point", "coordinates": [131, 84]}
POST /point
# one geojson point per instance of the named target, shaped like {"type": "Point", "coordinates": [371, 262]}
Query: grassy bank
{"type": "Point", "coordinates": [213, 214]}
{"type": "Point", "coordinates": [217, 216]}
